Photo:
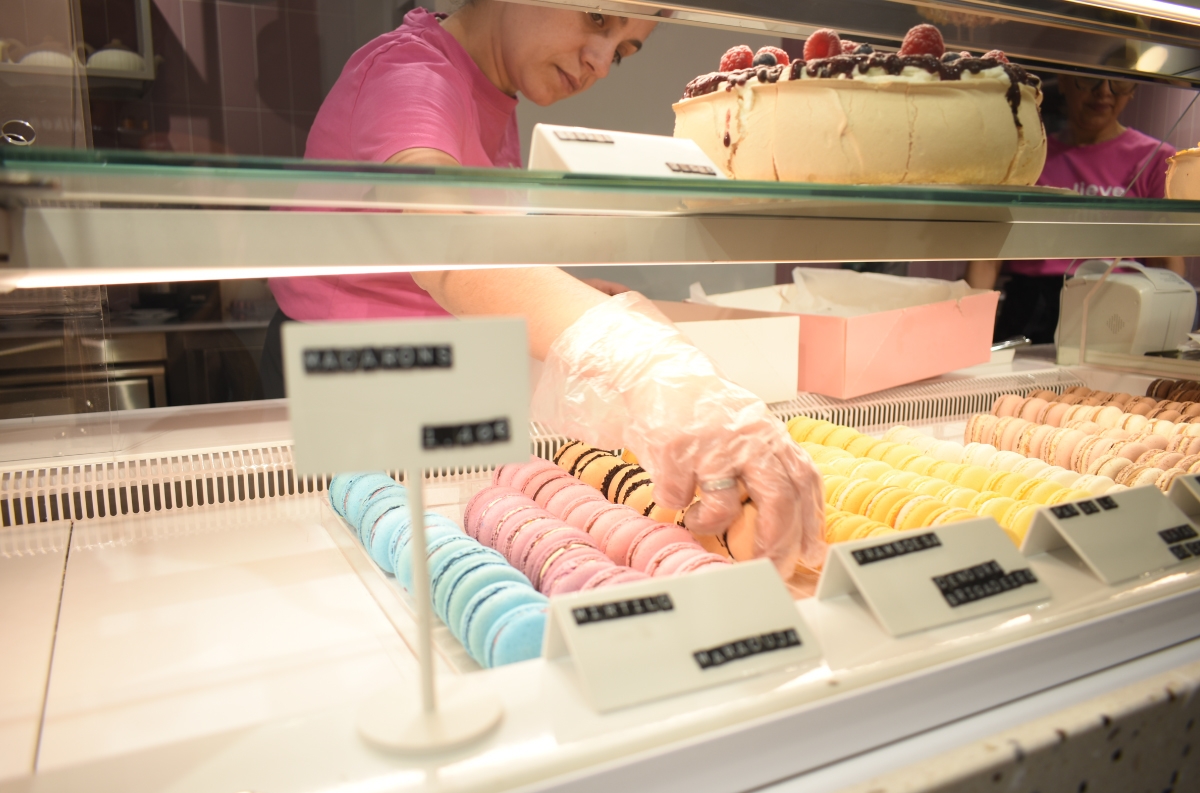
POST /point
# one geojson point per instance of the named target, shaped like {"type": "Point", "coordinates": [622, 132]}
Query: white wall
{"type": "Point", "coordinates": [637, 97]}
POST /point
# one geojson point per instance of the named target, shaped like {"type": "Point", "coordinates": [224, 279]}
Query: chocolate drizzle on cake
{"type": "Point", "coordinates": [846, 66]}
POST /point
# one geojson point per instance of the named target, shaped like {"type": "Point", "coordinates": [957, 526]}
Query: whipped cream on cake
{"type": "Point", "coordinates": [857, 116]}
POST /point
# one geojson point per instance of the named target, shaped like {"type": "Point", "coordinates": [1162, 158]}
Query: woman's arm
{"type": "Point", "coordinates": [983, 274]}
{"type": "Point", "coordinates": [549, 299]}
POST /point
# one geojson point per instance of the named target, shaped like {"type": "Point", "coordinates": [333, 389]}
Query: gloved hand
{"type": "Point", "coordinates": [624, 376]}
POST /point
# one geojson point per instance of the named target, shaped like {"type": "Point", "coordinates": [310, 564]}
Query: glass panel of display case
{"type": "Point", "coordinates": [62, 376]}
{"type": "Point", "coordinates": [144, 179]}
{"type": "Point", "coordinates": [43, 96]}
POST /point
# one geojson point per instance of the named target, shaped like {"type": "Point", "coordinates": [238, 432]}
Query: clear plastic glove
{"type": "Point", "coordinates": [624, 376]}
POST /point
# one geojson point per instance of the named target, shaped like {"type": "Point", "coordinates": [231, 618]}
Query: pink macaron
{"type": "Point", "coordinates": [615, 577]}
{"type": "Point", "coordinates": [652, 540]}
{"type": "Point", "coordinates": [669, 557]}
{"type": "Point", "coordinates": [542, 534]}
{"type": "Point", "coordinates": [526, 523]}
{"type": "Point", "coordinates": [694, 564]}
{"type": "Point", "coordinates": [1055, 413]}
{"type": "Point", "coordinates": [607, 522]}
{"type": "Point", "coordinates": [547, 490]}
{"type": "Point", "coordinates": [479, 502]}
{"type": "Point", "coordinates": [496, 512]}
{"type": "Point", "coordinates": [1061, 447]}
{"type": "Point", "coordinates": [1032, 408]}
{"type": "Point", "coordinates": [531, 469]}
{"type": "Point", "coordinates": [563, 501]}
{"type": "Point", "coordinates": [1011, 433]}
{"type": "Point", "coordinates": [618, 542]}
{"type": "Point", "coordinates": [573, 574]}
{"type": "Point", "coordinates": [1007, 405]}
{"type": "Point", "coordinates": [556, 553]}
{"type": "Point", "coordinates": [1153, 441]}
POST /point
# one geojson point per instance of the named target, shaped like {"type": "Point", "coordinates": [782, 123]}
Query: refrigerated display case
{"type": "Point", "coordinates": [187, 612]}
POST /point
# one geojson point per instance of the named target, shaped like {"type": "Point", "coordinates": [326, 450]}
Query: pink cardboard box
{"type": "Point", "coordinates": [848, 356]}
{"type": "Point", "coordinates": [845, 357]}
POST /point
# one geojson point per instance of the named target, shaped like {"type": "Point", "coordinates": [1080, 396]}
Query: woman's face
{"type": "Point", "coordinates": [1092, 109]}
{"type": "Point", "coordinates": [551, 54]}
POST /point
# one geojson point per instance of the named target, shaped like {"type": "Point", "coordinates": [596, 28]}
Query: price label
{"type": "Point", "coordinates": [1118, 537]}
{"type": "Point", "coordinates": [923, 579]}
{"type": "Point", "coordinates": [653, 639]}
{"type": "Point", "coordinates": [407, 393]}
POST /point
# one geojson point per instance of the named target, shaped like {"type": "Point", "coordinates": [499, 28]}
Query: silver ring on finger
{"type": "Point", "coordinates": [713, 485]}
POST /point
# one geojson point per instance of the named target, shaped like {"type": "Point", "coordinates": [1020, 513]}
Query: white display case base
{"type": "Point", "coordinates": [395, 721]}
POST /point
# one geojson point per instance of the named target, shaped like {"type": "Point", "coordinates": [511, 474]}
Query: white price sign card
{"type": "Point", "coordinates": [652, 639]}
{"type": "Point", "coordinates": [927, 578]}
{"type": "Point", "coordinates": [407, 393]}
{"type": "Point", "coordinates": [1119, 536]}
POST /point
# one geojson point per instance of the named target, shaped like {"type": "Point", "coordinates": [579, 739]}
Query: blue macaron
{"type": "Point", "coordinates": [435, 538]}
{"type": "Point", "coordinates": [469, 584]}
{"type": "Point", "coordinates": [340, 486]}
{"type": "Point", "coordinates": [447, 571]}
{"type": "Point", "coordinates": [383, 502]}
{"type": "Point", "coordinates": [358, 495]}
{"type": "Point", "coordinates": [516, 635]}
{"type": "Point", "coordinates": [489, 605]}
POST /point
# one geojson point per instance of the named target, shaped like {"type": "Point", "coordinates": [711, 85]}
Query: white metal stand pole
{"type": "Point", "coordinates": [421, 594]}
{"type": "Point", "coordinates": [394, 720]}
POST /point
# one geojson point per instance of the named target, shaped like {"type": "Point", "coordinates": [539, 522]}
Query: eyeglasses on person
{"type": "Point", "coordinates": [1118, 87]}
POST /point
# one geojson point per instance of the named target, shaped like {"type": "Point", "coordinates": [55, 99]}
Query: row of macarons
{"type": "Point", "coordinates": [1108, 417]}
{"type": "Point", "coordinates": [1175, 390]}
{"type": "Point", "coordinates": [1075, 448]}
{"type": "Point", "coordinates": [489, 606]}
{"type": "Point", "coordinates": [621, 480]}
{"type": "Point", "coordinates": [904, 500]}
{"type": "Point", "coordinates": [567, 537]}
{"type": "Point", "coordinates": [976, 466]}
{"type": "Point", "coordinates": [1145, 458]}
{"type": "Point", "coordinates": [1148, 406]}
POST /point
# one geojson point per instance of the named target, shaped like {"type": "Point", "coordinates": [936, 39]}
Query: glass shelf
{"type": "Point", "coordinates": [124, 212]}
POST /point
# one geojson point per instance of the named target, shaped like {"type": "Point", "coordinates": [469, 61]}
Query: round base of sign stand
{"type": "Point", "coordinates": [394, 720]}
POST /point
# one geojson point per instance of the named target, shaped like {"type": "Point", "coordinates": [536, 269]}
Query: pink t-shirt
{"type": "Point", "coordinates": [1104, 169]}
{"type": "Point", "coordinates": [415, 87]}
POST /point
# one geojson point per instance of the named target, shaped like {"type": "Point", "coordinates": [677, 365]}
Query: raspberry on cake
{"type": "Point", "coordinates": [739, 57]}
{"type": "Point", "coordinates": [920, 116]}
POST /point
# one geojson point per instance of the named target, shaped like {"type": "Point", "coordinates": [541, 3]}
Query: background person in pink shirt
{"type": "Point", "coordinates": [1094, 156]}
{"type": "Point", "coordinates": [443, 92]}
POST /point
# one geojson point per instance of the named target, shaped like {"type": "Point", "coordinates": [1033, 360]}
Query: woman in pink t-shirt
{"type": "Point", "coordinates": [443, 92]}
{"type": "Point", "coordinates": [1097, 156]}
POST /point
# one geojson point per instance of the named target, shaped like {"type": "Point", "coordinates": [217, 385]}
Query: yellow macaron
{"type": "Point", "coordinates": [841, 437]}
{"type": "Point", "coordinates": [972, 476]}
{"type": "Point", "coordinates": [921, 465]}
{"type": "Point", "coordinates": [880, 449]}
{"type": "Point", "coordinates": [861, 445]}
{"type": "Point", "coordinates": [871, 469]}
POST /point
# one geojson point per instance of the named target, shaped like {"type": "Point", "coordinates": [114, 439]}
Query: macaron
{"type": "Point", "coordinates": [1005, 461]}
{"type": "Point", "coordinates": [573, 573]}
{"type": "Point", "coordinates": [437, 539]}
{"type": "Point", "coordinates": [653, 539]}
{"type": "Point", "coordinates": [466, 581]}
{"type": "Point", "coordinates": [978, 454]}
{"type": "Point", "coordinates": [1007, 405]}
{"type": "Point", "coordinates": [558, 565]}
{"type": "Point", "coordinates": [1032, 408]}
{"type": "Point", "coordinates": [1109, 465]}
{"type": "Point", "coordinates": [1167, 478]}
{"type": "Point", "coordinates": [862, 445]}
{"type": "Point", "coordinates": [446, 571]}
{"type": "Point", "coordinates": [488, 608]}
{"type": "Point", "coordinates": [360, 492]}
{"type": "Point", "coordinates": [472, 513]}
{"type": "Point", "coordinates": [1055, 413]}
{"type": "Point", "coordinates": [1032, 467]}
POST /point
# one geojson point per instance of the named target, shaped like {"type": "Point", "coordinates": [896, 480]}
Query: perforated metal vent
{"type": "Point", "coordinates": [141, 484]}
{"type": "Point", "coordinates": [944, 400]}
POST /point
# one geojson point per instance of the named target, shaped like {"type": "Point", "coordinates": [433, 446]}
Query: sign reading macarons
{"type": "Point", "coordinates": [407, 393]}
{"type": "Point", "coordinates": [1115, 547]}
